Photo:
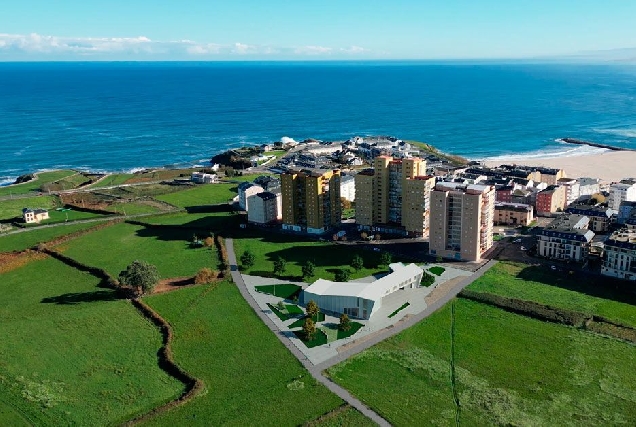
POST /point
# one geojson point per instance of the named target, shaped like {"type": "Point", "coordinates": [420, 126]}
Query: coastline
{"type": "Point", "coordinates": [609, 166]}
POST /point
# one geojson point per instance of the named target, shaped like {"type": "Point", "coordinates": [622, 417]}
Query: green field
{"type": "Point", "coordinates": [251, 378]}
{"type": "Point", "coordinates": [573, 292]}
{"type": "Point", "coordinates": [29, 238]}
{"type": "Point", "coordinates": [34, 185]}
{"type": "Point", "coordinates": [201, 195]}
{"type": "Point", "coordinates": [348, 417]}
{"type": "Point", "coordinates": [134, 208]}
{"type": "Point", "coordinates": [71, 215]}
{"type": "Point", "coordinates": [113, 248]}
{"type": "Point", "coordinates": [12, 208]}
{"type": "Point", "coordinates": [71, 353]}
{"type": "Point", "coordinates": [328, 257]}
{"type": "Point", "coordinates": [68, 183]}
{"type": "Point", "coordinates": [216, 222]}
{"type": "Point", "coordinates": [510, 370]}
{"type": "Point", "coordinates": [113, 180]}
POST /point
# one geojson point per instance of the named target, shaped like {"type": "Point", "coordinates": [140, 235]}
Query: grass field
{"type": "Point", "coordinates": [34, 185]}
{"type": "Point", "coordinates": [72, 354]}
{"type": "Point", "coordinates": [348, 417]}
{"type": "Point", "coordinates": [327, 257]}
{"type": "Point", "coordinates": [27, 239]}
{"type": "Point", "coordinates": [249, 374]}
{"type": "Point", "coordinates": [201, 195]}
{"type": "Point", "coordinates": [510, 370]}
{"type": "Point", "coordinates": [134, 208]}
{"type": "Point", "coordinates": [577, 292]}
{"type": "Point", "coordinates": [56, 216]}
{"type": "Point", "coordinates": [68, 183]}
{"type": "Point", "coordinates": [12, 208]}
{"type": "Point", "coordinates": [113, 180]}
{"type": "Point", "coordinates": [216, 222]}
{"type": "Point", "coordinates": [113, 248]}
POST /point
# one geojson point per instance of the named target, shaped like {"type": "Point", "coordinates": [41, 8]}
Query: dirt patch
{"type": "Point", "coordinates": [172, 284]}
{"type": "Point", "coordinates": [13, 260]}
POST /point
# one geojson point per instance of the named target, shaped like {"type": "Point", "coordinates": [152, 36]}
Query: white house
{"type": "Point", "coordinates": [245, 190]}
{"type": "Point", "coordinates": [265, 207]}
{"type": "Point", "coordinates": [204, 178]}
{"type": "Point", "coordinates": [34, 215]}
{"type": "Point", "coordinates": [624, 191]}
{"type": "Point", "coordinates": [361, 300]}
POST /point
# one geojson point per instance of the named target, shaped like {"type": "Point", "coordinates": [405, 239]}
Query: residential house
{"type": "Point", "coordinates": [566, 238]}
{"type": "Point", "coordinates": [513, 214]}
{"type": "Point", "coordinates": [31, 216]}
{"type": "Point", "coordinates": [620, 255]}
{"type": "Point", "coordinates": [600, 217]}
{"type": "Point", "coordinates": [265, 208]}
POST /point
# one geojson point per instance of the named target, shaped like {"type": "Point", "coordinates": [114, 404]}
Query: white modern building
{"type": "Point", "coordinates": [204, 178]}
{"type": "Point", "coordinates": [265, 208]}
{"type": "Point", "coordinates": [348, 187]}
{"type": "Point", "coordinates": [361, 300]}
{"type": "Point", "coordinates": [245, 190]}
{"type": "Point", "coordinates": [588, 187]}
{"type": "Point", "coordinates": [620, 255]}
{"type": "Point", "coordinates": [624, 191]}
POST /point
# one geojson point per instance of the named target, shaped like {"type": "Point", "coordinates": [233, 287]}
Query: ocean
{"type": "Point", "coordinates": [123, 116]}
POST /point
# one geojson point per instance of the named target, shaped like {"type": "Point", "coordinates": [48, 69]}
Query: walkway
{"type": "Point", "coordinates": [353, 347]}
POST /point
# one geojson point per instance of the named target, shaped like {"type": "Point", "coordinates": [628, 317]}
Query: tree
{"type": "Point", "coordinates": [385, 258]}
{"type": "Point", "coordinates": [141, 276]}
{"type": "Point", "coordinates": [357, 263]}
{"type": "Point", "coordinates": [346, 204]}
{"type": "Point", "coordinates": [345, 323]}
{"type": "Point", "coordinates": [208, 242]}
{"type": "Point", "coordinates": [343, 275]}
{"type": "Point", "coordinates": [308, 270]}
{"type": "Point", "coordinates": [248, 259]}
{"type": "Point", "coordinates": [312, 309]}
{"type": "Point", "coordinates": [364, 235]}
{"type": "Point", "coordinates": [205, 275]}
{"type": "Point", "coordinates": [309, 329]}
{"type": "Point", "coordinates": [280, 265]}
{"type": "Point", "coordinates": [280, 306]}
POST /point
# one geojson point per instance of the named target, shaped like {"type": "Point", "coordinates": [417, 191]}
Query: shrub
{"type": "Point", "coordinates": [205, 275]}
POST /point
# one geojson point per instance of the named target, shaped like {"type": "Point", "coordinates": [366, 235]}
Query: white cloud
{"type": "Point", "coordinates": [46, 46]}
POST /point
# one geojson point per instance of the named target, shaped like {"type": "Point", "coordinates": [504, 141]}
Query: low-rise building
{"type": "Point", "coordinates": [572, 189]}
{"type": "Point", "coordinates": [265, 208]}
{"type": "Point", "coordinates": [588, 187]}
{"type": "Point", "coordinates": [204, 178]}
{"type": "Point", "coordinates": [34, 215]}
{"type": "Point", "coordinates": [551, 200]}
{"type": "Point", "coordinates": [513, 214]}
{"type": "Point", "coordinates": [620, 255]}
{"type": "Point", "coordinates": [357, 299]}
{"type": "Point", "coordinates": [621, 192]}
{"type": "Point", "coordinates": [599, 216]}
{"type": "Point", "coordinates": [245, 190]}
{"type": "Point", "coordinates": [566, 238]}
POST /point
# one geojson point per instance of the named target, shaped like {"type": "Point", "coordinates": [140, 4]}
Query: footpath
{"type": "Point", "coordinates": [441, 298]}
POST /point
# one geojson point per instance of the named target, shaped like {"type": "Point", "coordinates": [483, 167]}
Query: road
{"type": "Point", "coordinates": [316, 371]}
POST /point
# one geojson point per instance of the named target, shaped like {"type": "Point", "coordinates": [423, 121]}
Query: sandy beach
{"type": "Point", "coordinates": [610, 166]}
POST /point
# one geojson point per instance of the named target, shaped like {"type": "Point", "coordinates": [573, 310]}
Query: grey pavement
{"type": "Point", "coordinates": [374, 333]}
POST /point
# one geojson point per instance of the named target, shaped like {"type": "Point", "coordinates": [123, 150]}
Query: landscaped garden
{"type": "Point", "coordinates": [73, 353]}
{"type": "Point", "coordinates": [577, 292]}
{"type": "Point", "coordinates": [282, 290]}
{"type": "Point", "coordinates": [113, 248]}
{"type": "Point", "coordinates": [249, 375]}
{"type": "Point", "coordinates": [509, 370]}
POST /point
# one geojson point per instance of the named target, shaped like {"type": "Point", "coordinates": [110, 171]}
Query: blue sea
{"type": "Point", "coordinates": [123, 116]}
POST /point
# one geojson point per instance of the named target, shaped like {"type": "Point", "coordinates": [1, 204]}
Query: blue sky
{"type": "Point", "coordinates": [306, 29]}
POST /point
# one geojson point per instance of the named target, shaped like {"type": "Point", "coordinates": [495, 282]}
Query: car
{"type": "Point", "coordinates": [523, 248]}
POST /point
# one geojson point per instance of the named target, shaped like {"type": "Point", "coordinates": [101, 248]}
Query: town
{"type": "Point", "coordinates": [337, 247]}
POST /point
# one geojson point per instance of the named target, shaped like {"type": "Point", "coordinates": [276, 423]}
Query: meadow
{"type": "Point", "coordinates": [509, 370]}
{"type": "Point", "coordinates": [574, 292]}
{"type": "Point", "coordinates": [327, 257]}
{"type": "Point", "coordinates": [12, 208]}
{"type": "Point", "coordinates": [72, 353]}
{"type": "Point", "coordinates": [35, 184]}
{"type": "Point", "coordinates": [251, 378]}
{"type": "Point", "coordinates": [112, 180]}
{"type": "Point", "coordinates": [201, 195]}
{"type": "Point", "coordinates": [30, 238]}
{"type": "Point", "coordinates": [113, 248]}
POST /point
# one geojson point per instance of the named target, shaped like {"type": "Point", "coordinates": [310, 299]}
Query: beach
{"type": "Point", "coordinates": [610, 166]}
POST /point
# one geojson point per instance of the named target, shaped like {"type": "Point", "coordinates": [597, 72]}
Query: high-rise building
{"type": "Point", "coordinates": [620, 255]}
{"type": "Point", "coordinates": [461, 220]}
{"type": "Point", "coordinates": [311, 200]}
{"type": "Point", "coordinates": [394, 196]}
{"type": "Point", "coordinates": [624, 191]}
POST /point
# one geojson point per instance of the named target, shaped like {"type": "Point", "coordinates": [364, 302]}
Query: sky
{"type": "Point", "coordinates": [42, 30]}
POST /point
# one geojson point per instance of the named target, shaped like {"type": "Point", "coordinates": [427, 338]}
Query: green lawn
{"type": "Point", "coordinates": [71, 353]}
{"type": "Point", "coordinates": [112, 180]}
{"type": "Point", "coordinates": [355, 327]}
{"type": "Point", "coordinates": [68, 183]}
{"type": "Point", "coordinates": [113, 248]}
{"type": "Point", "coordinates": [34, 185]}
{"type": "Point", "coordinates": [320, 338]}
{"type": "Point", "coordinates": [71, 215]}
{"type": "Point", "coordinates": [216, 221]}
{"type": "Point", "coordinates": [134, 208]}
{"type": "Point", "coordinates": [402, 307]}
{"type": "Point", "coordinates": [348, 417]}
{"type": "Point", "coordinates": [12, 208]}
{"type": "Point", "coordinates": [29, 238]}
{"type": "Point", "coordinates": [437, 270]}
{"type": "Point", "coordinates": [573, 292]}
{"type": "Point", "coordinates": [328, 257]}
{"type": "Point", "coordinates": [282, 290]}
{"type": "Point", "coordinates": [510, 370]}
{"type": "Point", "coordinates": [200, 195]}
{"type": "Point", "coordinates": [248, 373]}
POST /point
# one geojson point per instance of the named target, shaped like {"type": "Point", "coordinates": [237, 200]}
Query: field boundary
{"type": "Point", "coordinates": [577, 319]}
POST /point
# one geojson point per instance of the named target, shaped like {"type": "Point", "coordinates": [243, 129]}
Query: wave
{"type": "Point", "coordinates": [626, 133]}
{"type": "Point", "coordinates": [556, 152]}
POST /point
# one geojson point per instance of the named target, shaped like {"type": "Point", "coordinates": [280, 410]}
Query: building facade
{"type": "Point", "coordinates": [34, 215]}
{"type": "Point", "coordinates": [461, 220]}
{"type": "Point", "coordinates": [265, 208]}
{"type": "Point", "coordinates": [624, 191]}
{"type": "Point", "coordinates": [513, 214]}
{"type": "Point", "coordinates": [620, 255]}
{"type": "Point", "coordinates": [566, 238]}
{"type": "Point", "coordinates": [348, 187]}
{"type": "Point", "coordinates": [245, 190]}
{"type": "Point", "coordinates": [551, 200]}
{"type": "Point", "coordinates": [600, 217]}
{"type": "Point", "coordinates": [311, 200]}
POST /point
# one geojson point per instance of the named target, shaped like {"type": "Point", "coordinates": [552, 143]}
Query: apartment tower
{"type": "Point", "coordinates": [394, 196]}
{"type": "Point", "coordinates": [461, 220]}
{"type": "Point", "coordinates": [311, 200]}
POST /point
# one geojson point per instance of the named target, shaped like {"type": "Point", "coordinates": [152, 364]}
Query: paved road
{"type": "Point", "coordinates": [316, 370]}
